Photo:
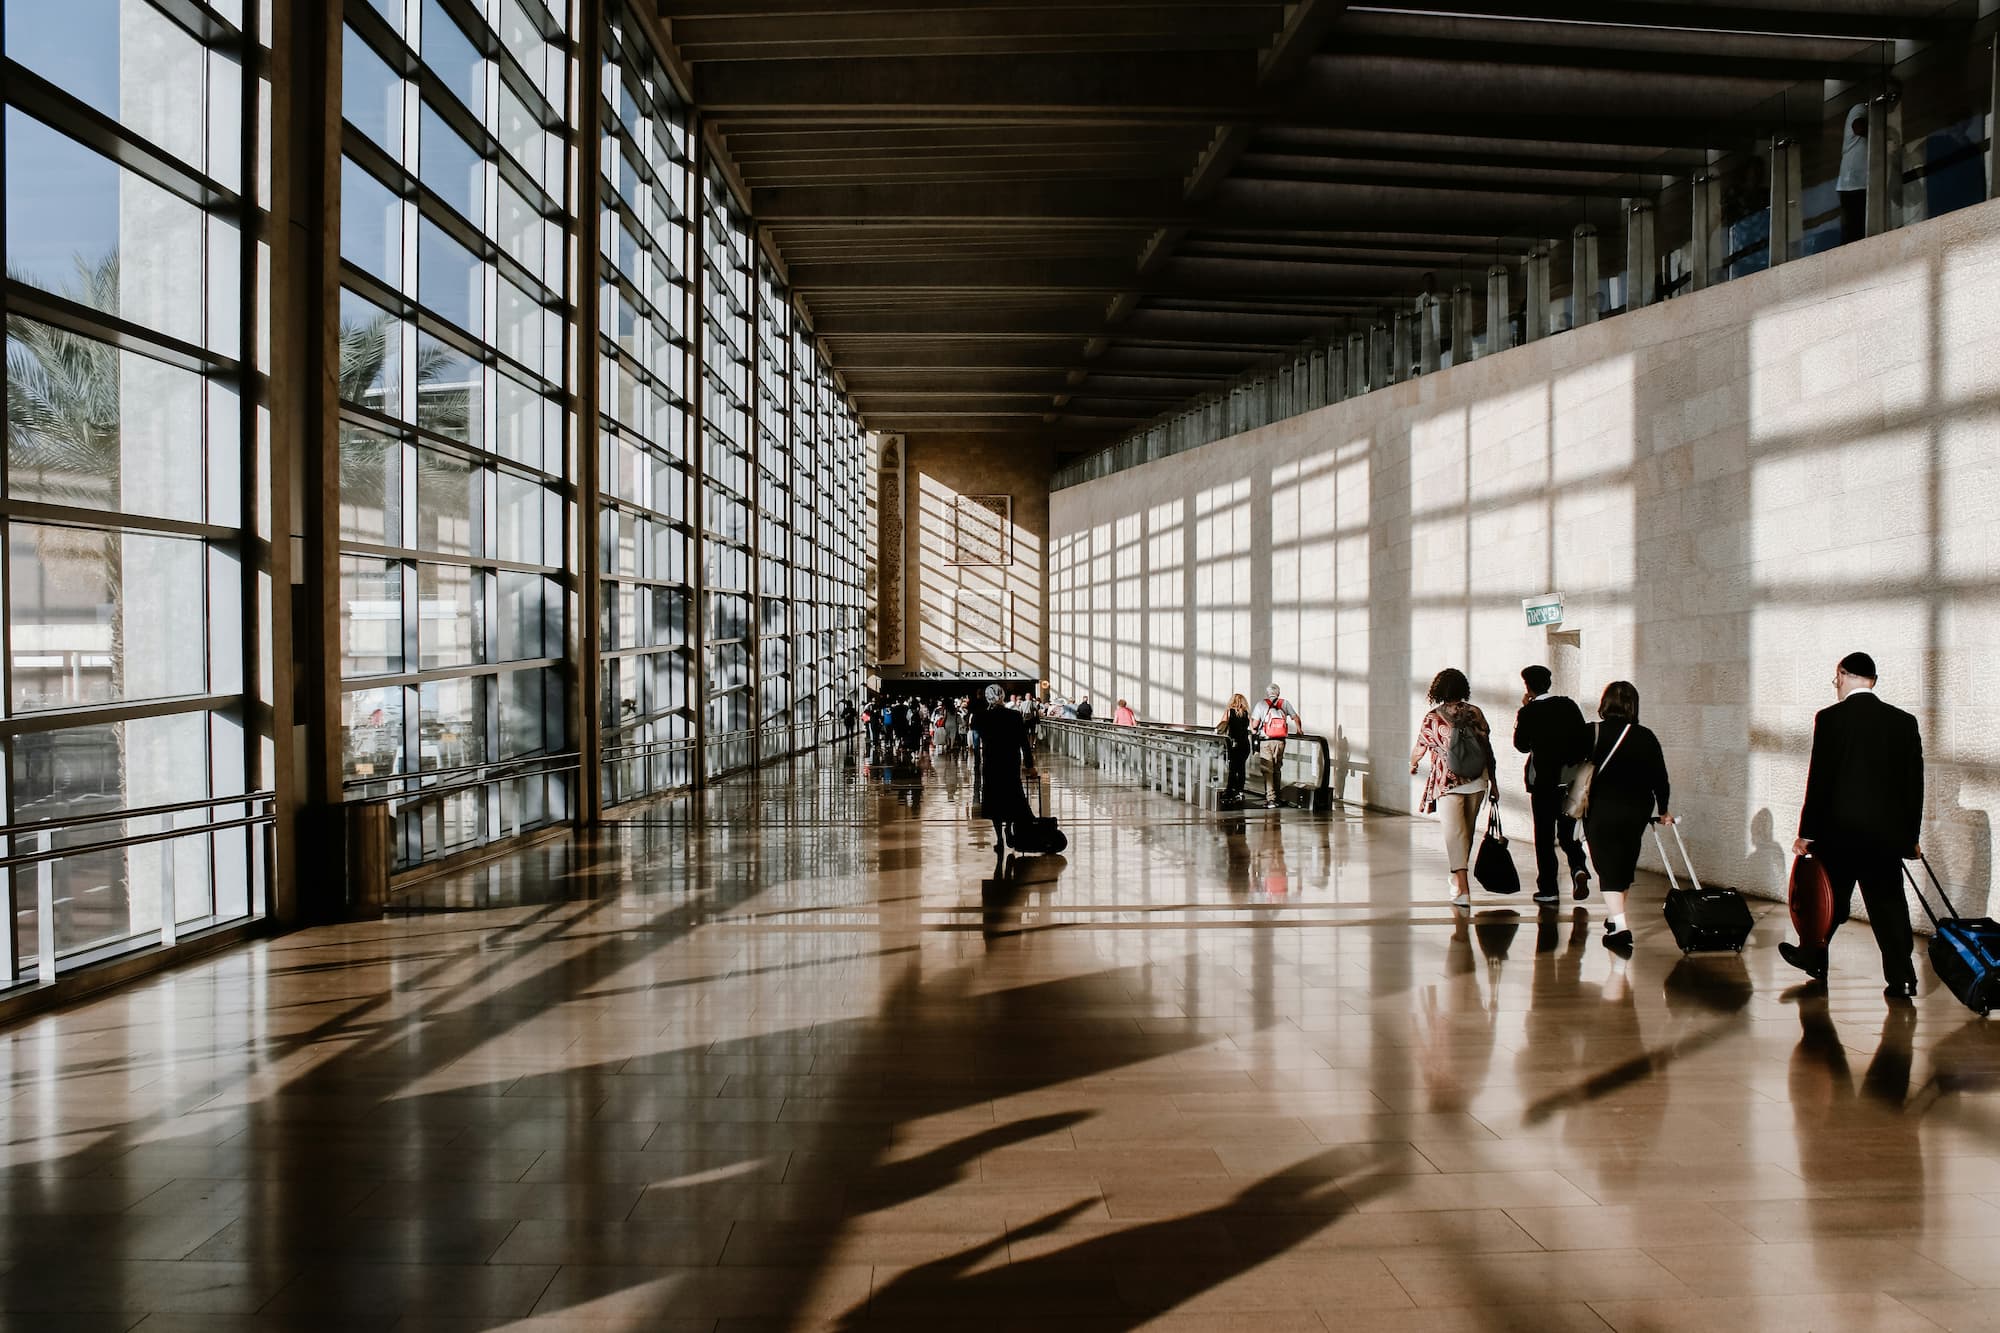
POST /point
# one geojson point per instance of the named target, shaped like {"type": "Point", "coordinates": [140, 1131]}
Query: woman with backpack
{"type": "Point", "coordinates": [1455, 738]}
{"type": "Point", "coordinates": [1628, 781]}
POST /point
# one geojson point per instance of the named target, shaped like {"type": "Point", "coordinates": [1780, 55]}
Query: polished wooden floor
{"type": "Point", "coordinates": [795, 1057]}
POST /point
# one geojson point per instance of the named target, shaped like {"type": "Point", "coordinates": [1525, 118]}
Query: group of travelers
{"type": "Point", "coordinates": [1862, 811]}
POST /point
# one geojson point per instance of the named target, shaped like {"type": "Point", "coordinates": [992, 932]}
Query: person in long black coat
{"type": "Point", "coordinates": [1003, 744]}
{"type": "Point", "coordinates": [1863, 812]}
{"type": "Point", "coordinates": [1628, 791]}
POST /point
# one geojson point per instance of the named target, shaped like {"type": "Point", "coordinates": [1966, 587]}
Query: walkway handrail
{"type": "Point", "coordinates": [429, 789]}
{"type": "Point", "coordinates": [135, 812]}
{"type": "Point", "coordinates": [1318, 788]}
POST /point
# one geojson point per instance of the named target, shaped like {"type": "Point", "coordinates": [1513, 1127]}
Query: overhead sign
{"type": "Point", "coordinates": [1544, 610]}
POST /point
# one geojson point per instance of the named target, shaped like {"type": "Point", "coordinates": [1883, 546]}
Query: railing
{"type": "Point", "coordinates": [650, 768]}
{"type": "Point", "coordinates": [1190, 763]}
{"type": "Point", "coordinates": [437, 797]}
{"type": "Point", "coordinates": [1191, 766]}
{"type": "Point", "coordinates": [126, 877]}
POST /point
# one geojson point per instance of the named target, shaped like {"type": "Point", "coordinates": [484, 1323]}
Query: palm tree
{"type": "Point", "coordinates": [64, 443]}
{"type": "Point", "coordinates": [62, 402]}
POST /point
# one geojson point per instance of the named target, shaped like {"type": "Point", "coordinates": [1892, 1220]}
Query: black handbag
{"type": "Point", "coordinates": [1494, 866]}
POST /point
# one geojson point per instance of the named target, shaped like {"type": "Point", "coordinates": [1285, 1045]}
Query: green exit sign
{"type": "Point", "coordinates": [1543, 610]}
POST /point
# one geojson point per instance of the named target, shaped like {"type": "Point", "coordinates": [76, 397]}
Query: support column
{"type": "Point", "coordinates": [1378, 356]}
{"type": "Point", "coordinates": [1879, 165]}
{"type": "Point", "coordinates": [1787, 228]}
{"type": "Point", "coordinates": [1430, 332]}
{"type": "Point", "coordinates": [1498, 334]}
{"type": "Point", "coordinates": [1583, 275]}
{"type": "Point", "coordinates": [1535, 294]}
{"type": "Point", "coordinates": [1701, 229]}
{"type": "Point", "coordinates": [1993, 119]}
{"type": "Point", "coordinates": [1461, 324]}
{"type": "Point", "coordinates": [587, 676]}
{"type": "Point", "coordinates": [1642, 264]}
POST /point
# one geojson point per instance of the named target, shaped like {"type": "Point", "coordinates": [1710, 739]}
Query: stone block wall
{"type": "Point", "coordinates": [944, 600]}
{"type": "Point", "coordinates": [1730, 491]}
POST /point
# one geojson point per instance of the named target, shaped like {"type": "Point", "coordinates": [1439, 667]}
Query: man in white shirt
{"type": "Point", "coordinates": [1271, 721]}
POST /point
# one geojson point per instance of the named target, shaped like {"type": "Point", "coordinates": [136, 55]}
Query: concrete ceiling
{"type": "Point", "coordinates": [1007, 216]}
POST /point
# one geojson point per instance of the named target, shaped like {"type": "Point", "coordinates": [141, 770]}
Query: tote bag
{"type": "Point", "coordinates": [1578, 804]}
{"type": "Point", "coordinates": [1494, 866]}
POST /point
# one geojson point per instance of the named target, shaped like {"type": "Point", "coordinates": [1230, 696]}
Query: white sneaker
{"type": "Point", "coordinates": [1462, 900]}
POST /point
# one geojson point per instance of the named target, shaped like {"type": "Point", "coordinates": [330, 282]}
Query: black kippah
{"type": "Point", "coordinates": [1858, 664]}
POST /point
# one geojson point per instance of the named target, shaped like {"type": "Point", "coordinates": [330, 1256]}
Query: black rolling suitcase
{"type": "Point", "coordinates": [1703, 920]}
{"type": "Point", "coordinates": [1965, 950]}
{"type": "Point", "coordinates": [1039, 835]}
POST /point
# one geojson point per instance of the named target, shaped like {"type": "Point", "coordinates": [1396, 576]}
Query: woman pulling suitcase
{"type": "Point", "coordinates": [1625, 791]}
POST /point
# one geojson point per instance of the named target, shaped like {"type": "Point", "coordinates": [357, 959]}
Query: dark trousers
{"type": "Point", "coordinates": [1552, 826]}
{"type": "Point", "coordinates": [1239, 755]}
{"type": "Point", "coordinates": [1853, 215]}
{"type": "Point", "coordinates": [1880, 877]}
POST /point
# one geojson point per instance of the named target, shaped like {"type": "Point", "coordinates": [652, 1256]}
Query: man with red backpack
{"type": "Point", "coordinates": [1273, 720]}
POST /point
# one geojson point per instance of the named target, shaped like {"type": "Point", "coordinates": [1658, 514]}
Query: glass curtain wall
{"type": "Point", "coordinates": [726, 448]}
{"type": "Point", "coordinates": [645, 477]}
{"type": "Point", "coordinates": [455, 465]}
{"type": "Point", "coordinates": [127, 195]}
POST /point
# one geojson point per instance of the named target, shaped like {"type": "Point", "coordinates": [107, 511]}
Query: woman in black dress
{"type": "Point", "coordinates": [1628, 790]}
{"type": "Point", "coordinates": [1003, 744]}
{"type": "Point", "coordinates": [1235, 725]}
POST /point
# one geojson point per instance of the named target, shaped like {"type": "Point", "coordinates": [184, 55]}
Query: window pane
{"type": "Point", "coordinates": [371, 487]}
{"type": "Point", "coordinates": [448, 630]}
{"type": "Point", "coordinates": [108, 896]}
{"type": "Point", "coordinates": [447, 164]}
{"type": "Point", "coordinates": [125, 59]}
{"type": "Point", "coordinates": [529, 624]}
{"type": "Point", "coordinates": [371, 94]}
{"type": "Point", "coordinates": [80, 226]}
{"type": "Point", "coordinates": [450, 725]}
{"type": "Point", "coordinates": [450, 400]}
{"type": "Point", "coordinates": [371, 732]}
{"type": "Point", "coordinates": [371, 356]}
{"type": "Point", "coordinates": [448, 51]}
{"type": "Point", "coordinates": [97, 428]}
{"type": "Point", "coordinates": [371, 616]}
{"type": "Point", "coordinates": [98, 615]}
{"type": "Point", "coordinates": [449, 280]}
{"type": "Point", "coordinates": [451, 504]}
{"type": "Point", "coordinates": [530, 712]}
{"type": "Point", "coordinates": [371, 225]}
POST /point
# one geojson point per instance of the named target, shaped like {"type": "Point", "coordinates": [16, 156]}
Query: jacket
{"type": "Point", "coordinates": [1865, 787]}
{"type": "Point", "coordinates": [1552, 733]}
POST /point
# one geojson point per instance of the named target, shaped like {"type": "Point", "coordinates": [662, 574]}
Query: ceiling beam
{"type": "Point", "coordinates": [1889, 19]}
{"type": "Point", "coordinates": [1171, 86]}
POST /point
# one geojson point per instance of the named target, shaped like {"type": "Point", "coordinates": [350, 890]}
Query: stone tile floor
{"type": "Point", "coordinates": [794, 1055]}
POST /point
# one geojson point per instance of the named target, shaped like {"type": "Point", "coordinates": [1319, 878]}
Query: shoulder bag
{"type": "Point", "coordinates": [1578, 804]}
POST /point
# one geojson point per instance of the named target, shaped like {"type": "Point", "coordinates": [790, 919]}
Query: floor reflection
{"type": "Point", "coordinates": [799, 1054]}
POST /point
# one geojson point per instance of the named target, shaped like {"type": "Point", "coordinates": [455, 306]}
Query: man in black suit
{"type": "Point", "coordinates": [1550, 730]}
{"type": "Point", "coordinates": [1864, 805]}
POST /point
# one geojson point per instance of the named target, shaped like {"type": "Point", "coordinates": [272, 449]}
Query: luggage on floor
{"type": "Point", "coordinates": [1493, 866]}
{"type": "Point", "coordinates": [1965, 950]}
{"type": "Point", "coordinates": [1701, 918]}
{"type": "Point", "coordinates": [1039, 835]}
{"type": "Point", "coordinates": [1811, 898]}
